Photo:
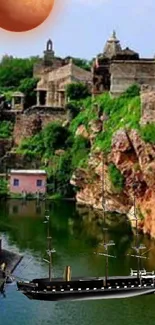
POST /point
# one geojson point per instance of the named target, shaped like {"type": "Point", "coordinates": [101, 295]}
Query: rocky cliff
{"type": "Point", "coordinates": [134, 159]}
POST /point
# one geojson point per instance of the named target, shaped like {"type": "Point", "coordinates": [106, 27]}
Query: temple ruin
{"type": "Point", "coordinates": [116, 69]}
{"type": "Point", "coordinates": [55, 73]}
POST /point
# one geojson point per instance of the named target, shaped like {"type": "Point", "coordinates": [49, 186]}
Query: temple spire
{"type": "Point", "coordinates": [114, 34]}
{"type": "Point", "coordinates": [112, 46]}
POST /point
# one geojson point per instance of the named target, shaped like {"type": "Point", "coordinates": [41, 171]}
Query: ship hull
{"type": "Point", "coordinates": [107, 294]}
{"type": "Point", "coordinates": [87, 288]}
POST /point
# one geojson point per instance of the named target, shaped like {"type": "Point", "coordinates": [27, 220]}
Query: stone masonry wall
{"type": "Point", "coordinates": [125, 73]}
{"type": "Point", "coordinates": [27, 125]}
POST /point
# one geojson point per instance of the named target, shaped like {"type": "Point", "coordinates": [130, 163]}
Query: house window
{"type": "Point", "coordinates": [39, 182]}
{"type": "Point", "coordinates": [16, 182]}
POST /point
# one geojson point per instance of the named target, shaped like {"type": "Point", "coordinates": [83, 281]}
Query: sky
{"type": "Point", "coordinates": [80, 28]}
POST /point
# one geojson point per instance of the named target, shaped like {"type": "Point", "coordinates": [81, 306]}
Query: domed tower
{"type": "Point", "coordinates": [112, 46]}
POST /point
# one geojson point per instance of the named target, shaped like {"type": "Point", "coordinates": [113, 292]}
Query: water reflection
{"type": "Point", "coordinates": [77, 233]}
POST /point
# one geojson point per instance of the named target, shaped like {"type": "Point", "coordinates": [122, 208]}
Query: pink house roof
{"type": "Point", "coordinates": [28, 171]}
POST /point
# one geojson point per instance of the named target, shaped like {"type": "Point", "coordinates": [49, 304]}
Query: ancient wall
{"type": "Point", "coordinates": [40, 69]}
{"type": "Point", "coordinates": [81, 74]}
{"type": "Point", "coordinates": [32, 122]}
{"type": "Point", "coordinates": [61, 73]}
{"type": "Point", "coordinates": [125, 73]}
{"type": "Point", "coordinates": [70, 70]}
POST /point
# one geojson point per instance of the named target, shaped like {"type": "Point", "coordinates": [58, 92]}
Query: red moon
{"type": "Point", "coordinates": [24, 15]}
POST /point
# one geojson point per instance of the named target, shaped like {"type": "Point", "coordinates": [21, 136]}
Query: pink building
{"type": "Point", "coordinates": [27, 181]}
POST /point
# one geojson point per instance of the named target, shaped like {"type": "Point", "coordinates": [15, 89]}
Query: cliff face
{"type": "Point", "coordinates": [135, 159]}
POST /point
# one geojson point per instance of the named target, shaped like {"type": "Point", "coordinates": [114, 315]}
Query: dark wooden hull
{"type": "Point", "coordinates": [87, 288]}
{"type": "Point", "coordinates": [91, 295]}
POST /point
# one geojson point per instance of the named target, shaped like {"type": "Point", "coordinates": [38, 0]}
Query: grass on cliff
{"type": "Point", "coordinates": [148, 133]}
{"type": "Point", "coordinates": [121, 112]}
{"type": "Point", "coordinates": [116, 178]}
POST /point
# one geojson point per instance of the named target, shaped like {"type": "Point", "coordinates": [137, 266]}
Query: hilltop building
{"type": "Point", "coordinates": [116, 69]}
{"type": "Point", "coordinates": [54, 74]}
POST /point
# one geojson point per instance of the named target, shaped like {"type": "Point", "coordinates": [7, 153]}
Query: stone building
{"type": "Point", "coordinates": [55, 73]}
{"type": "Point", "coordinates": [48, 62]}
{"type": "Point", "coordinates": [116, 69]}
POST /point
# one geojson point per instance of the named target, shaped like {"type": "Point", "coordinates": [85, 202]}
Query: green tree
{"type": "Point", "coordinates": [27, 86]}
{"type": "Point", "coordinates": [13, 70]}
{"type": "Point", "coordinates": [77, 90]}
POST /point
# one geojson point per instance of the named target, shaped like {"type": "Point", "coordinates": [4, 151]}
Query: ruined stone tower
{"type": "Point", "coordinates": [48, 53]}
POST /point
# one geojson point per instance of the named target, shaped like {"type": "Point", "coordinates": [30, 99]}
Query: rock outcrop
{"type": "Point", "coordinates": [147, 105]}
{"type": "Point", "coordinates": [135, 159]}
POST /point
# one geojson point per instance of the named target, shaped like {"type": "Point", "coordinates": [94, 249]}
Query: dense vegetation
{"type": "Point", "coordinates": [6, 128]}
{"type": "Point", "coordinates": [27, 87]}
{"type": "Point", "coordinates": [77, 91]}
{"type": "Point", "coordinates": [17, 74]}
{"type": "Point", "coordinates": [13, 70]}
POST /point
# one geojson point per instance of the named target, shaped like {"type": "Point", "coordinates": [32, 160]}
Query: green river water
{"type": "Point", "coordinates": [77, 234]}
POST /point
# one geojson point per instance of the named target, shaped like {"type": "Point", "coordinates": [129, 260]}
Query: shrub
{"type": "Point", "coordinates": [6, 128]}
{"type": "Point", "coordinates": [27, 87]}
{"type": "Point", "coordinates": [73, 109]}
{"type": "Point", "coordinates": [77, 90]}
{"type": "Point", "coordinates": [148, 133]}
{"type": "Point", "coordinates": [116, 178]}
{"type": "Point", "coordinates": [55, 137]}
{"type": "Point", "coordinates": [132, 91]}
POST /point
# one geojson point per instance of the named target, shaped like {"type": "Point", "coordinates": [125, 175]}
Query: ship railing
{"type": "Point", "coordinates": [141, 272]}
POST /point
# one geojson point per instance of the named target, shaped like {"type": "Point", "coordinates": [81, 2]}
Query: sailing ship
{"type": "Point", "coordinates": [138, 283]}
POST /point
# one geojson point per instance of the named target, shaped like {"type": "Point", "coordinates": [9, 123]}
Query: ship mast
{"type": "Point", "coordinates": [138, 247]}
{"type": "Point", "coordinates": [49, 250]}
{"type": "Point", "coordinates": [105, 244]}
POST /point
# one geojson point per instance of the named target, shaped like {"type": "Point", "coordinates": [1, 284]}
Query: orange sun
{"type": "Point", "coordinates": [24, 15]}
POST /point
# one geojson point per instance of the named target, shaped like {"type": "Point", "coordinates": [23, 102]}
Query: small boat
{"type": "Point", "coordinates": [138, 283]}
